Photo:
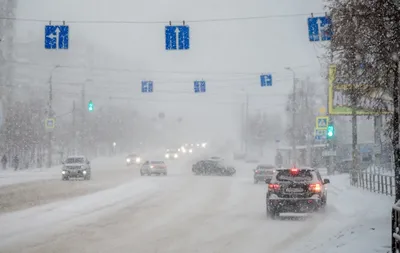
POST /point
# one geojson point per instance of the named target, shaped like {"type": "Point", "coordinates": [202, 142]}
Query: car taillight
{"type": "Point", "coordinates": [315, 187]}
{"type": "Point", "coordinates": [294, 171]}
{"type": "Point", "coordinates": [274, 187]}
{"type": "Point", "coordinates": [257, 171]}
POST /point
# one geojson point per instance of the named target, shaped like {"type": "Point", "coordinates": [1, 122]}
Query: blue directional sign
{"type": "Point", "coordinates": [320, 134]}
{"type": "Point", "coordinates": [56, 37]}
{"type": "Point", "coordinates": [319, 28]}
{"type": "Point", "coordinates": [266, 80]}
{"type": "Point", "coordinates": [147, 86]}
{"type": "Point", "coordinates": [177, 37]}
{"type": "Point", "coordinates": [199, 86]}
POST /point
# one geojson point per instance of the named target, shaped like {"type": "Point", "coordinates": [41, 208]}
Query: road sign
{"type": "Point", "coordinates": [321, 122]}
{"type": "Point", "coordinates": [199, 86]}
{"type": "Point", "coordinates": [320, 134]}
{"type": "Point", "coordinates": [329, 153]}
{"type": "Point", "coordinates": [147, 86]}
{"type": "Point", "coordinates": [177, 37]}
{"type": "Point", "coordinates": [266, 80]}
{"type": "Point", "coordinates": [56, 37]}
{"type": "Point", "coordinates": [50, 123]}
{"type": "Point", "coordinates": [319, 28]}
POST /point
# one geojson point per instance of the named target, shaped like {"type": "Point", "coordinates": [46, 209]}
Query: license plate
{"type": "Point", "coordinates": [294, 190]}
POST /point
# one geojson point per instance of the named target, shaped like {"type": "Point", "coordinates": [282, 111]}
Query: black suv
{"type": "Point", "coordinates": [299, 190]}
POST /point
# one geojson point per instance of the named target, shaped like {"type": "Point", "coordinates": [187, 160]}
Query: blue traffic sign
{"type": "Point", "coordinates": [319, 28]}
{"type": "Point", "coordinates": [199, 86]}
{"type": "Point", "coordinates": [177, 37]}
{"type": "Point", "coordinates": [266, 80]}
{"type": "Point", "coordinates": [147, 86]}
{"type": "Point", "coordinates": [56, 37]}
{"type": "Point", "coordinates": [320, 134]}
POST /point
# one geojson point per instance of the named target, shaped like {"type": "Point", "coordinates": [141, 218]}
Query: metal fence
{"type": "Point", "coordinates": [375, 182]}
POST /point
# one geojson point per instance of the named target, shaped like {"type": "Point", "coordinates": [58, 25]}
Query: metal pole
{"type": "Point", "coordinates": [242, 130]}
{"type": "Point", "coordinates": [294, 155]}
{"type": "Point", "coordinates": [355, 169]}
{"type": "Point", "coordinates": [83, 132]}
{"type": "Point", "coordinates": [74, 126]}
{"type": "Point", "coordinates": [247, 125]}
{"type": "Point", "coordinates": [50, 115]}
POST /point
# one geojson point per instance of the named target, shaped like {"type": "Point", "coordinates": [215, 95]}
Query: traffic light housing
{"type": "Point", "coordinates": [330, 132]}
{"type": "Point", "coordinates": [90, 106]}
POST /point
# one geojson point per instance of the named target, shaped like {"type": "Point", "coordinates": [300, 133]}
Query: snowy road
{"type": "Point", "coordinates": [178, 213]}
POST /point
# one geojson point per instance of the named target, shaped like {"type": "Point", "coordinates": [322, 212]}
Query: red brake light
{"type": "Point", "coordinates": [257, 171]}
{"type": "Point", "coordinates": [274, 187]}
{"type": "Point", "coordinates": [315, 187]}
{"type": "Point", "coordinates": [294, 171]}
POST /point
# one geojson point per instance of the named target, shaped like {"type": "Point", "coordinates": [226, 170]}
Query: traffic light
{"type": "Point", "coordinates": [330, 132]}
{"type": "Point", "coordinates": [90, 106]}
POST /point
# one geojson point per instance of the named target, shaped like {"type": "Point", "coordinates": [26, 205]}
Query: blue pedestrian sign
{"type": "Point", "coordinates": [177, 37]}
{"type": "Point", "coordinates": [319, 28]}
{"type": "Point", "coordinates": [56, 37]}
{"type": "Point", "coordinates": [266, 80]}
{"type": "Point", "coordinates": [199, 86]}
{"type": "Point", "coordinates": [321, 122]}
{"type": "Point", "coordinates": [147, 86]}
{"type": "Point", "coordinates": [320, 134]}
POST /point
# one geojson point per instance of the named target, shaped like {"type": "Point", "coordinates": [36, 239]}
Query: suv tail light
{"type": "Point", "coordinates": [257, 171]}
{"type": "Point", "coordinates": [315, 187]}
{"type": "Point", "coordinates": [274, 187]}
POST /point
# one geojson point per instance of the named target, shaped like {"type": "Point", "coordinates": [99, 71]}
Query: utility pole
{"type": "Point", "coordinates": [83, 126]}
{"type": "Point", "coordinates": [246, 146]}
{"type": "Point", "coordinates": [294, 155]}
{"type": "Point", "coordinates": [50, 132]}
{"type": "Point", "coordinates": [355, 167]}
{"type": "Point", "coordinates": [74, 126]}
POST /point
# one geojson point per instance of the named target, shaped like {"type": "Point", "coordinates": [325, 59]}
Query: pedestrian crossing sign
{"type": "Point", "coordinates": [322, 122]}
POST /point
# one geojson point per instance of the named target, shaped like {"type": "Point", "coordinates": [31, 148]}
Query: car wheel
{"type": "Point", "coordinates": [271, 214]}
{"type": "Point", "coordinates": [65, 178]}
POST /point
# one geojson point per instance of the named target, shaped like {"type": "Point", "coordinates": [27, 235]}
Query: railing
{"type": "Point", "coordinates": [378, 183]}
{"type": "Point", "coordinates": [396, 228]}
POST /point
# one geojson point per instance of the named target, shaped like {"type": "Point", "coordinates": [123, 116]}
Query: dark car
{"type": "Point", "coordinates": [298, 190]}
{"type": "Point", "coordinates": [212, 167]}
{"type": "Point", "coordinates": [263, 173]}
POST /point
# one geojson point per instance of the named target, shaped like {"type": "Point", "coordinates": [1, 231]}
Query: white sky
{"type": "Point", "coordinates": [219, 51]}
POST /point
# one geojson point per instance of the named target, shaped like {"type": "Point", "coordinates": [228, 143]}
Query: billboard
{"type": "Point", "coordinates": [339, 101]}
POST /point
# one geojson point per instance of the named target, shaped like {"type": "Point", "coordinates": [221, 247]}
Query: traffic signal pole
{"type": "Point", "coordinates": [83, 126]}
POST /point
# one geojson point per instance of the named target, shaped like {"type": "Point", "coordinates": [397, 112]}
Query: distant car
{"type": "Point", "coordinates": [153, 167]}
{"type": "Point", "coordinates": [133, 159]}
{"type": "Point", "coordinates": [76, 167]}
{"type": "Point", "coordinates": [263, 173]}
{"type": "Point", "coordinates": [299, 190]}
{"type": "Point", "coordinates": [212, 167]}
{"type": "Point", "coordinates": [172, 154]}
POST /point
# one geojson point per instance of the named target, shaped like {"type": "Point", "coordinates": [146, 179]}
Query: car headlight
{"type": "Point", "coordinates": [128, 160]}
{"type": "Point", "coordinates": [190, 150]}
{"type": "Point", "coordinates": [138, 159]}
{"type": "Point", "coordinates": [84, 172]}
{"type": "Point", "coordinates": [176, 155]}
{"type": "Point", "coordinates": [167, 156]}
{"type": "Point", "coordinates": [184, 151]}
{"type": "Point", "coordinates": [204, 145]}
{"type": "Point", "coordinates": [63, 172]}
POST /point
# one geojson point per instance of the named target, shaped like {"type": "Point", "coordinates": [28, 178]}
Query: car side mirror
{"type": "Point", "coordinates": [326, 181]}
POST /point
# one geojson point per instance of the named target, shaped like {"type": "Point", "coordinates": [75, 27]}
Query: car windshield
{"type": "Point", "coordinates": [287, 175]}
{"type": "Point", "coordinates": [132, 155]}
{"type": "Point", "coordinates": [265, 167]}
{"type": "Point", "coordinates": [75, 160]}
{"type": "Point", "coordinates": [172, 151]}
{"type": "Point", "coordinates": [157, 162]}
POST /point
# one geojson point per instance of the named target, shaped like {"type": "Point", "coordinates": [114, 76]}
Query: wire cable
{"type": "Point", "coordinates": [137, 22]}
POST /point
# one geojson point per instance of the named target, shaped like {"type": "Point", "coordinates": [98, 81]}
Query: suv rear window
{"type": "Point", "coordinates": [75, 160]}
{"type": "Point", "coordinates": [265, 167]}
{"type": "Point", "coordinates": [302, 175]}
{"type": "Point", "coordinates": [157, 162]}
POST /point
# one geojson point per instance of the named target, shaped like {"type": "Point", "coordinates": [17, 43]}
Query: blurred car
{"type": "Point", "coordinates": [153, 167]}
{"type": "Point", "coordinates": [212, 167]}
{"type": "Point", "coordinates": [76, 167]}
{"type": "Point", "coordinates": [133, 159]}
{"type": "Point", "coordinates": [299, 190]}
{"type": "Point", "coordinates": [263, 173]}
{"type": "Point", "coordinates": [172, 154]}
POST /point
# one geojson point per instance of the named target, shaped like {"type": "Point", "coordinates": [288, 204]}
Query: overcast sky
{"type": "Point", "coordinates": [229, 56]}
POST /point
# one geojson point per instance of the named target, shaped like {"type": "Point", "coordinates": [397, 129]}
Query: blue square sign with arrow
{"type": "Point", "coordinates": [266, 80]}
{"type": "Point", "coordinates": [319, 28]}
{"type": "Point", "coordinates": [56, 37]}
{"type": "Point", "coordinates": [177, 37]}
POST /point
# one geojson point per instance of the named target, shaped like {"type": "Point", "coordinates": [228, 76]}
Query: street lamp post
{"type": "Point", "coordinates": [49, 115]}
{"type": "Point", "coordinates": [294, 155]}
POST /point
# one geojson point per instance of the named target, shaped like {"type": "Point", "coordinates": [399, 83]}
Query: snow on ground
{"type": "Point", "coordinates": [182, 213]}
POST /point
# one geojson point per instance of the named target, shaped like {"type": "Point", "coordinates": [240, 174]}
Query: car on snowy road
{"type": "Point", "coordinates": [76, 167]}
{"type": "Point", "coordinates": [133, 159]}
{"type": "Point", "coordinates": [263, 173]}
{"type": "Point", "coordinates": [213, 167]}
{"type": "Point", "coordinates": [153, 167]}
{"type": "Point", "coordinates": [296, 190]}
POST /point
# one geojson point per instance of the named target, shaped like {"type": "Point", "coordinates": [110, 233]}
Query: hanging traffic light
{"type": "Point", "coordinates": [330, 132]}
{"type": "Point", "coordinates": [90, 106]}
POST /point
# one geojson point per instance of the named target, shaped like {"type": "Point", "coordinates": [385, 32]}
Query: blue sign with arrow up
{"type": "Point", "coordinates": [56, 37]}
{"type": "Point", "coordinates": [177, 37]}
{"type": "Point", "coordinates": [319, 28]}
{"type": "Point", "coordinates": [266, 80]}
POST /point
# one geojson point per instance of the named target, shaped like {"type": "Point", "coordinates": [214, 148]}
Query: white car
{"type": "Point", "coordinates": [172, 154]}
{"type": "Point", "coordinates": [153, 167]}
{"type": "Point", "coordinates": [76, 167]}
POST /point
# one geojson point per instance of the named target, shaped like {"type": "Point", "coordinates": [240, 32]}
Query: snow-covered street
{"type": "Point", "coordinates": [184, 213]}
